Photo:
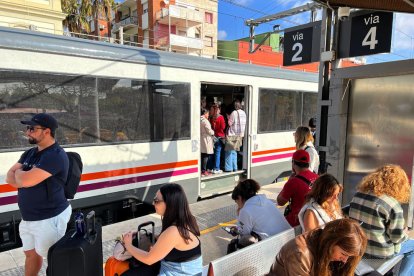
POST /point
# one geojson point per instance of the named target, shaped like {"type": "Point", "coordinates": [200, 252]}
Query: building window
{"type": "Point", "coordinates": [208, 41]}
{"type": "Point", "coordinates": [145, 8]}
{"type": "Point", "coordinates": [197, 35]}
{"type": "Point", "coordinates": [209, 17]}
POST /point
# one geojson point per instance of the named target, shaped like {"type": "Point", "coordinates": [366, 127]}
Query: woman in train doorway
{"type": "Point", "coordinates": [218, 125]}
{"type": "Point", "coordinates": [334, 250]}
{"type": "Point", "coordinates": [236, 125]}
{"type": "Point", "coordinates": [304, 140]}
{"type": "Point", "coordinates": [322, 205]}
{"type": "Point", "coordinates": [206, 141]}
{"type": "Point", "coordinates": [376, 205]}
{"type": "Point", "coordinates": [178, 249]}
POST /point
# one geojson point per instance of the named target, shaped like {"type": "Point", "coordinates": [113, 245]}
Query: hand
{"type": "Point", "coordinates": [127, 238]}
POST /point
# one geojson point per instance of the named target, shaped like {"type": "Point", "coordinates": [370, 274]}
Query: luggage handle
{"type": "Point", "coordinates": [142, 225]}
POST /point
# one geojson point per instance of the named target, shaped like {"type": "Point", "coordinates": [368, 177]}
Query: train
{"type": "Point", "coordinates": [133, 114]}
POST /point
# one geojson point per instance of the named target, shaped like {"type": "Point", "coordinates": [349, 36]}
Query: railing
{"type": "Point", "coordinates": [132, 20]}
{"type": "Point", "coordinates": [179, 12]}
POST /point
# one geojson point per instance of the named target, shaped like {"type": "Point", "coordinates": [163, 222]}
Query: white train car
{"type": "Point", "coordinates": [133, 114]}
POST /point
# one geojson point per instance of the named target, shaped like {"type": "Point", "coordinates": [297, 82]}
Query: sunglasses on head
{"type": "Point", "coordinates": [32, 128]}
{"type": "Point", "coordinates": [156, 200]}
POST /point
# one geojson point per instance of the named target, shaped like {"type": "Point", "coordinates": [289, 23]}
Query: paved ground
{"type": "Point", "coordinates": [211, 215]}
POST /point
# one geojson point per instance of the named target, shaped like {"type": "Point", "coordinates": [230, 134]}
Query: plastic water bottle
{"type": "Point", "coordinates": [80, 224]}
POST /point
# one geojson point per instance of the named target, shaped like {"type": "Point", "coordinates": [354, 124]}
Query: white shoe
{"type": "Point", "coordinates": [217, 171]}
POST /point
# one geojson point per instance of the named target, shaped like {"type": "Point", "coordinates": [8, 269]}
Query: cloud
{"type": "Point", "coordinates": [222, 34]}
{"type": "Point", "coordinates": [403, 32]}
{"type": "Point", "coordinates": [242, 2]}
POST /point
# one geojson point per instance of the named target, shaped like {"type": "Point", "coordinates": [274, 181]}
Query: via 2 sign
{"type": "Point", "coordinates": [301, 44]}
{"type": "Point", "coordinates": [366, 33]}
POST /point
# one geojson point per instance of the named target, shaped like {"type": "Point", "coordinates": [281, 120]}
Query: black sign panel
{"type": "Point", "coordinates": [365, 33]}
{"type": "Point", "coordinates": [302, 44]}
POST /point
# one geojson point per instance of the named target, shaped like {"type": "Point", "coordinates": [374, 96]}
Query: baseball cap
{"type": "Point", "coordinates": [301, 156]}
{"type": "Point", "coordinates": [42, 119]}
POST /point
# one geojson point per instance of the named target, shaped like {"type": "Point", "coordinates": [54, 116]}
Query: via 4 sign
{"type": "Point", "coordinates": [366, 33]}
{"type": "Point", "coordinates": [301, 44]}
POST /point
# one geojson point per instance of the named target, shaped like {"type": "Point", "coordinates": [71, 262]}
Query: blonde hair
{"type": "Point", "coordinates": [390, 180]}
{"type": "Point", "coordinates": [303, 136]}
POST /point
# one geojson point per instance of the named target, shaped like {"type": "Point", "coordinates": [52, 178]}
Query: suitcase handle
{"type": "Point", "coordinates": [142, 225]}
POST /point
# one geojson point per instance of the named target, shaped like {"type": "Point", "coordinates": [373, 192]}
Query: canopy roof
{"type": "Point", "coordinates": [386, 5]}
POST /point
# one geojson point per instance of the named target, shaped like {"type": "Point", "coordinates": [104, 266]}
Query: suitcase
{"type": "Point", "coordinates": [113, 267]}
{"type": "Point", "coordinates": [75, 255]}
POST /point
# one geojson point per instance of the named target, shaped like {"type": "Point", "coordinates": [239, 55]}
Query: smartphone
{"type": "Point", "coordinates": [229, 230]}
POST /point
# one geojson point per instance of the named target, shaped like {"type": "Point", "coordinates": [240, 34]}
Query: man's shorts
{"type": "Point", "coordinates": [42, 234]}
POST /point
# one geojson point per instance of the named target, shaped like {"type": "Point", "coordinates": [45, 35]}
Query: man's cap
{"type": "Point", "coordinates": [42, 119]}
{"type": "Point", "coordinates": [301, 156]}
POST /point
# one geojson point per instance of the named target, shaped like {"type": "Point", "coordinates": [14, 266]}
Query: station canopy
{"type": "Point", "coordinates": [385, 5]}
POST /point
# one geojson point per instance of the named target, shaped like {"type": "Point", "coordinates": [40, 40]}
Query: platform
{"type": "Point", "coordinates": [211, 215]}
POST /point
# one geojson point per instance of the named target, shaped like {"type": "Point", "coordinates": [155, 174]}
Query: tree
{"type": "Point", "coordinates": [96, 8]}
{"type": "Point", "coordinates": [75, 21]}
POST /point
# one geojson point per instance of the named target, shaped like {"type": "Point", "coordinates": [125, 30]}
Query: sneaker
{"type": "Point", "coordinates": [217, 171]}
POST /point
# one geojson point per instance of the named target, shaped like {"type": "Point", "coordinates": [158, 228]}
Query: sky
{"type": "Point", "coordinates": [233, 14]}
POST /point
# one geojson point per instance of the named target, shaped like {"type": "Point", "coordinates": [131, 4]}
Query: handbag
{"type": "Point", "coordinates": [233, 142]}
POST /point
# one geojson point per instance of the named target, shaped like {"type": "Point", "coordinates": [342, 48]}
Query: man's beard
{"type": "Point", "coordinates": [32, 141]}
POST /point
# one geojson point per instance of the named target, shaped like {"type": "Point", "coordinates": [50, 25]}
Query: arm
{"type": "Point", "coordinates": [281, 200]}
{"type": "Point", "coordinates": [165, 243]}
{"type": "Point", "coordinates": [11, 178]}
{"type": "Point", "coordinates": [30, 178]}
{"type": "Point", "coordinates": [395, 229]}
{"type": "Point", "coordinates": [285, 194]}
{"type": "Point", "coordinates": [245, 223]}
{"type": "Point", "coordinates": [310, 221]}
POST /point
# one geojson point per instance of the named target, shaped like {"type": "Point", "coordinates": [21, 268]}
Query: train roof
{"type": "Point", "coordinates": [11, 38]}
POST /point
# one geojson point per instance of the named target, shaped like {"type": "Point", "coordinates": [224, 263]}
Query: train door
{"type": "Point", "coordinates": [217, 177]}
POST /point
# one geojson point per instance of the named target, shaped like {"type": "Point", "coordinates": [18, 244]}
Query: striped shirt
{"type": "Point", "coordinates": [383, 221]}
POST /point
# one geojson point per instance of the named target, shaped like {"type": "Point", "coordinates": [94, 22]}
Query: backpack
{"type": "Point", "coordinates": [74, 174]}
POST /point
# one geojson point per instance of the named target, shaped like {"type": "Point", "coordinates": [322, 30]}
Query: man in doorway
{"type": "Point", "coordinates": [39, 176]}
{"type": "Point", "coordinates": [297, 187]}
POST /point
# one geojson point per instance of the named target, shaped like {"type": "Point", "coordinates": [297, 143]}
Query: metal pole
{"type": "Point", "coordinates": [169, 30]}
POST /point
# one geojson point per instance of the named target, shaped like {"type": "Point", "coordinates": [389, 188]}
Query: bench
{"type": "Point", "coordinates": [382, 266]}
{"type": "Point", "coordinates": [255, 259]}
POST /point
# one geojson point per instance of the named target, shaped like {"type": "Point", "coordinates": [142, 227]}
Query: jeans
{"type": "Point", "coordinates": [204, 161]}
{"type": "Point", "coordinates": [231, 160]}
{"type": "Point", "coordinates": [194, 267]}
{"type": "Point", "coordinates": [217, 153]}
{"type": "Point", "coordinates": [407, 264]}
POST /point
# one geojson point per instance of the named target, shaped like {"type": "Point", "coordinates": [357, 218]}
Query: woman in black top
{"type": "Point", "coordinates": [178, 248]}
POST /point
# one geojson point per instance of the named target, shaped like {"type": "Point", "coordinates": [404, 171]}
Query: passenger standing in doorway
{"type": "Point", "coordinates": [312, 127]}
{"type": "Point", "coordinates": [39, 176]}
{"type": "Point", "coordinates": [304, 140]}
{"type": "Point", "coordinates": [218, 125]}
{"type": "Point", "coordinates": [206, 141]}
{"type": "Point", "coordinates": [236, 126]}
{"type": "Point", "coordinates": [377, 207]}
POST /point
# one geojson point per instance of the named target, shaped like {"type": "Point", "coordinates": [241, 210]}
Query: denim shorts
{"type": "Point", "coordinates": [42, 234]}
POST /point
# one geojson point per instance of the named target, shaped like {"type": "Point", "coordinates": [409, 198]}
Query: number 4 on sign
{"type": "Point", "coordinates": [370, 38]}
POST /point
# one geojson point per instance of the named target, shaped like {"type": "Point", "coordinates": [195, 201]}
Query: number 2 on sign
{"type": "Point", "coordinates": [296, 57]}
{"type": "Point", "coordinates": [370, 38]}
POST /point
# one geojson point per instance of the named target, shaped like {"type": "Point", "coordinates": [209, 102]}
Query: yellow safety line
{"type": "Point", "coordinates": [211, 229]}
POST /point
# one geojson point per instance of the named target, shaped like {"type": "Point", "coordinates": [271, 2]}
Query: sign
{"type": "Point", "coordinates": [302, 44]}
{"type": "Point", "coordinates": [365, 33]}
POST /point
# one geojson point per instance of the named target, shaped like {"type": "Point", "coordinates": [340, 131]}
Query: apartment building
{"type": "Point", "coordinates": [37, 15]}
{"type": "Point", "coordinates": [125, 24]}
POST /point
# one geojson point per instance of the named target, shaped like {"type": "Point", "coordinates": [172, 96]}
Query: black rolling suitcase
{"type": "Point", "coordinates": [75, 255]}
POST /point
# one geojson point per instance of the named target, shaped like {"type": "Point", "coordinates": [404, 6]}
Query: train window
{"type": "Point", "coordinates": [279, 110]}
{"type": "Point", "coordinates": [93, 110]}
{"type": "Point", "coordinates": [310, 105]}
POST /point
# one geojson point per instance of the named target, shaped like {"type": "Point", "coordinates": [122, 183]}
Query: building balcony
{"type": "Point", "coordinates": [126, 23]}
{"type": "Point", "coordinates": [179, 16]}
{"type": "Point", "coordinates": [180, 43]}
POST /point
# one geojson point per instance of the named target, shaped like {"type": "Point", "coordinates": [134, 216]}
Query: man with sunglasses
{"type": "Point", "coordinates": [39, 176]}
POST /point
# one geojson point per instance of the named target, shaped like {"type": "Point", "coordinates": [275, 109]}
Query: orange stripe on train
{"type": "Point", "coordinates": [272, 151]}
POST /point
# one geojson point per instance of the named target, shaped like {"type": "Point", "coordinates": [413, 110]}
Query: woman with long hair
{"type": "Point", "coordinates": [376, 205]}
{"type": "Point", "coordinates": [333, 250]}
{"type": "Point", "coordinates": [257, 216]}
{"type": "Point", "coordinates": [206, 141]}
{"type": "Point", "coordinates": [304, 140]}
{"type": "Point", "coordinates": [178, 246]}
{"type": "Point", "coordinates": [322, 205]}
